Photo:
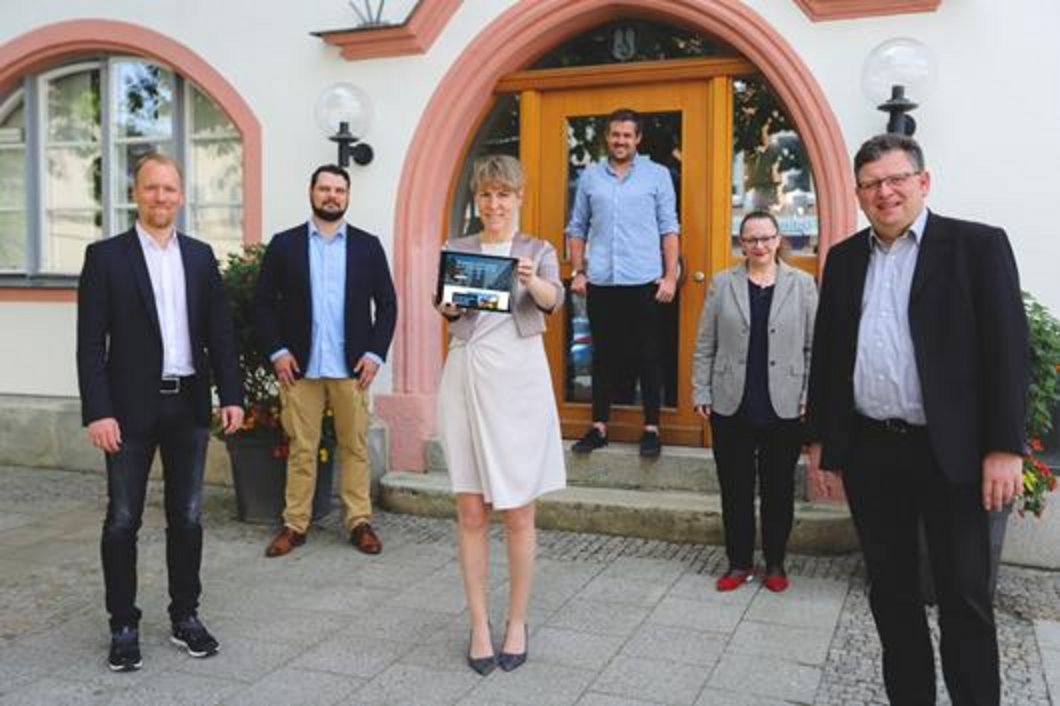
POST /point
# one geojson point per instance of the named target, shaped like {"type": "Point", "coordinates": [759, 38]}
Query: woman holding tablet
{"type": "Point", "coordinates": [497, 417]}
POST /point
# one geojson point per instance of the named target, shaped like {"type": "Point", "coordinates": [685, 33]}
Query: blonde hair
{"type": "Point", "coordinates": [497, 169]}
{"type": "Point", "coordinates": [157, 158]}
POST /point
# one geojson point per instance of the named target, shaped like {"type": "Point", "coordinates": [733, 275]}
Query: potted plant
{"type": "Point", "coordinates": [1042, 398]}
{"type": "Point", "coordinates": [258, 452]}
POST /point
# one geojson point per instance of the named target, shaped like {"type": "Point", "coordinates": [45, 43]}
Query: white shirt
{"type": "Point", "coordinates": [886, 380]}
{"type": "Point", "coordinates": [166, 270]}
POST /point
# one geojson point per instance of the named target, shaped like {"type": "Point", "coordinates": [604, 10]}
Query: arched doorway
{"type": "Point", "coordinates": [514, 40]}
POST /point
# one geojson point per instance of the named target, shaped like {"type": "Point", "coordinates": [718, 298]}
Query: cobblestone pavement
{"type": "Point", "coordinates": [614, 621]}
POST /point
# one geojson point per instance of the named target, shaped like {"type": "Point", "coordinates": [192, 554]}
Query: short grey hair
{"type": "Point", "coordinates": [876, 147]}
{"type": "Point", "coordinates": [501, 169]}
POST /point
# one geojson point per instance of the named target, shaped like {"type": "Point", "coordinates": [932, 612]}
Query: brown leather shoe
{"type": "Point", "coordinates": [285, 542]}
{"type": "Point", "coordinates": [364, 538]}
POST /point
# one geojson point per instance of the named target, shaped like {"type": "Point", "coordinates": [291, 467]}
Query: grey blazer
{"type": "Point", "coordinates": [719, 365]}
{"type": "Point", "coordinates": [529, 317]}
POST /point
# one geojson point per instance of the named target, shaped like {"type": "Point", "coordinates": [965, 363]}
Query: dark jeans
{"type": "Point", "coordinates": [182, 444]}
{"type": "Point", "coordinates": [742, 453]}
{"type": "Point", "coordinates": [892, 481]}
{"type": "Point", "coordinates": [625, 323]}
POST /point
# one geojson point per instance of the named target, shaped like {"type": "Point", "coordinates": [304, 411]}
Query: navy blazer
{"type": "Point", "coordinates": [283, 303]}
{"type": "Point", "coordinates": [970, 339]}
{"type": "Point", "coordinates": [119, 340]}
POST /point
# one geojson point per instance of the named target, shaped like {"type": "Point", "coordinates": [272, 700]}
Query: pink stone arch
{"type": "Point", "coordinates": [511, 42]}
{"type": "Point", "coordinates": [54, 43]}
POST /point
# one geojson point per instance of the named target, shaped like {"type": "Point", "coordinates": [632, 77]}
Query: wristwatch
{"type": "Point", "coordinates": [575, 273]}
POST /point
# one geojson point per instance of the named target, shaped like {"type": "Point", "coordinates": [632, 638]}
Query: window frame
{"type": "Point", "coordinates": [31, 93]}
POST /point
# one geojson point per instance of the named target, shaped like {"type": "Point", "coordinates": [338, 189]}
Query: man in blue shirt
{"type": "Point", "coordinates": [625, 215]}
{"type": "Point", "coordinates": [314, 302]}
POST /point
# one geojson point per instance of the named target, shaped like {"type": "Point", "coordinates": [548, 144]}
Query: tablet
{"type": "Point", "coordinates": [476, 281]}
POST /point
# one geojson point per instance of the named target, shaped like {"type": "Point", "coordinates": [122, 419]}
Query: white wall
{"type": "Point", "coordinates": [989, 130]}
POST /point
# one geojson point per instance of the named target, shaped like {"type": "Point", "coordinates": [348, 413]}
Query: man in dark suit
{"type": "Point", "coordinates": [314, 303]}
{"type": "Point", "coordinates": [152, 323]}
{"type": "Point", "coordinates": [918, 393]}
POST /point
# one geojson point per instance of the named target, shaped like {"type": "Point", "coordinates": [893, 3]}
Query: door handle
{"type": "Point", "coordinates": [699, 276]}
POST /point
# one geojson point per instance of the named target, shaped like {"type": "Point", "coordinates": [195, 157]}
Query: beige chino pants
{"type": "Point", "coordinates": [303, 409]}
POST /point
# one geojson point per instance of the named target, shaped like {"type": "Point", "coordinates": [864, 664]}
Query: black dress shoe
{"type": "Point", "coordinates": [650, 446]}
{"type": "Point", "coordinates": [592, 440]}
{"type": "Point", "coordinates": [482, 665]}
{"type": "Point", "coordinates": [125, 650]}
{"type": "Point", "coordinates": [510, 660]}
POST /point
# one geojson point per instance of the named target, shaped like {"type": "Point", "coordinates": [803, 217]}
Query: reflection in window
{"type": "Point", "coordinates": [499, 134]}
{"type": "Point", "coordinates": [770, 169]}
{"type": "Point", "coordinates": [83, 166]}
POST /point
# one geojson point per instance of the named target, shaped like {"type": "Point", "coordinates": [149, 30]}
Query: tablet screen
{"type": "Point", "coordinates": [476, 281]}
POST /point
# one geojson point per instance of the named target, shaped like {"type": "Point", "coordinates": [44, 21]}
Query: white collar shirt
{"type": "Point", "coordinates": [166, 270]}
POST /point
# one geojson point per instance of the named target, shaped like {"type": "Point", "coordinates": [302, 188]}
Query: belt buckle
{"type": "Point", "coordinates": [170, 385]}
{"type": "Point", "coordinates": [896, 426]}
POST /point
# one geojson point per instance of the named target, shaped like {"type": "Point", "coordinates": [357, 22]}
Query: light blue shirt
{"type": "Point", "coordinates": [327, 286]}
{"type": "Point", "coordinates": [886, 382]}
{"type": "Point", "coordinates": [624, 219]}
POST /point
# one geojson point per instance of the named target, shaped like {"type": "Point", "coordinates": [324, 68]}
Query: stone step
{"type": "Point", "coordinates": [619, 465]}
{"type": "Point", "coordinates": [672, 515]}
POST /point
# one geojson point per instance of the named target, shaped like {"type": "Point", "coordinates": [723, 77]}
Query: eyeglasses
{"type": "Point", "coordinates": [893, 182]}
{"type": "Point", "coordinates": [761, 240]}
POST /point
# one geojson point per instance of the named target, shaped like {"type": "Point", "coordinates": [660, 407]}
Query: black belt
{"type": "Point", "coordinates": [173, 384]}
{"type": "Point", "coordinates": [889, 426]}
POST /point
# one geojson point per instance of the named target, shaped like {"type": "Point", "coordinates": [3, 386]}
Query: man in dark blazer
{"type": "Point", "coordinates": [152, 324]}
{"type": "Point", "coordinates": [319, 284]}
{"type": "Point", "coordinates": [918, 394]}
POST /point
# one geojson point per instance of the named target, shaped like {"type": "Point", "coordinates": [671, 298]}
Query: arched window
{"type": "Point", "coordinates": [70, 138]}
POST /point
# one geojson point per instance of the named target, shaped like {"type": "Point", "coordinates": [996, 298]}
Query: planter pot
{"type": "Point", "coordinates": [998, 523]}
{"type": "Point", "coordinates": [260, 481]}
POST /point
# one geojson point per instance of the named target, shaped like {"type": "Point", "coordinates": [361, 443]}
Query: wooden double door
{"type": "Point", "coordinates": [687, 109]}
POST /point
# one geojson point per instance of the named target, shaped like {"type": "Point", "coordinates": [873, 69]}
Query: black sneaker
{"type": "Point", "coordinates": [193, 636]}
{"type": "Point", "coordinates": [650, 446]}
{"type": "Point", "coordinates": [125, 650]}
{"type": "Point", "coordinates": [592, 440]}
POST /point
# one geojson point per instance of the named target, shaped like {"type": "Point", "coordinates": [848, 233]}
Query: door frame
{"type": "Point", "coordinates": [705, 199]}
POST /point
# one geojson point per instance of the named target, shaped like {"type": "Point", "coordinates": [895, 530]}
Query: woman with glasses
{"type": "Point", "coordinates": [749, 376]}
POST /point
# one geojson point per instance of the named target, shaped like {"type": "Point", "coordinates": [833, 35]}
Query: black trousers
{"type": "Point", "coordinates": [742, 453]}
{"type": "Point", "coordinates": [182, 443]}
{"type": "Point", "coordinates": [626, 326]}
{"type": "Point", "coordinates": [892, 481]}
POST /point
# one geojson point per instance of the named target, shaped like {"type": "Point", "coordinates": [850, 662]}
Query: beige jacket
{"type": "Point", "coordinates": [529, 317]}
{"type": "Point", "coordinates": [719, 365]}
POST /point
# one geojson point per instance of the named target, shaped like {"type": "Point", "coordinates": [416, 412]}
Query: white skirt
{"type": "Point", "coordinates": [497, 418]}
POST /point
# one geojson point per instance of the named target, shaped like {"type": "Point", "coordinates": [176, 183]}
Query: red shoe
{"type": "Point", "coordinates": [776, 581]}
{"type": "Point", "coordinates": [733, 579]}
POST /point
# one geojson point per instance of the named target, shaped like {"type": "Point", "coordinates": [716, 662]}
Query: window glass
{"type": "Point", "coordinates": [84, 195]}
{"type": "Point", "coordinates": [12, 186]}
{"type": "Point", "coordinates": [632, 40]}
{"type": "Point", "coordinates": [770, 170]}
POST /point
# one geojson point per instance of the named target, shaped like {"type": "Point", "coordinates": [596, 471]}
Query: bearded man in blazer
{"type": "Point", "coordinates": [917, 393]}
{"type": "Point", "coordinates": [152, 324]}
{"type": "Point", "coordinates": [325, 312]}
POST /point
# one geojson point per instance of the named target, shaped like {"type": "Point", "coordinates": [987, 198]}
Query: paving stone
{"type": "Point", "coordinates": [597, 617]}
{"type": "Point", "coordinates": [698, 615]}
{"type": "Point", "coordinates": [674, 644]}
{"type": "Point", "coordinates": [619, 589]}
{"type": "Point", "coordinates": [403, 684]}
{"type": "Point", "coordinates": [58, 692]}
{"type": "Point", "coordinates": [652, 679]}
{"type": "Point", "coordinates": [178, 689]}
{"type": "Point", "coordinates": [1048, 634]}
{"type": "Point", "coordinates": [574, 649]}
{"type": "Point", "coordinates": [718, 697]}
{"type": "Point", "coordinates": [294, 686]}
{"type": "Point", "coordinates": [594, 698]}
{"type": "Point", "coordinates": [766, 677]}
{"type": "Point", "coordinates": [240, 659]}
{"type": "Point", "coordinates": [797, 644]}
{"type": "Point", "coordinates": [533, 684]}
{"type": "Point", "coordinates": [351, 655]}
{"type": "Point", "coordinates": [813, 603]}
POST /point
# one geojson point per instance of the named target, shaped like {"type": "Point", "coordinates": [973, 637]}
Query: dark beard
{"type": "Point", "coordinates": [328, 216]}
